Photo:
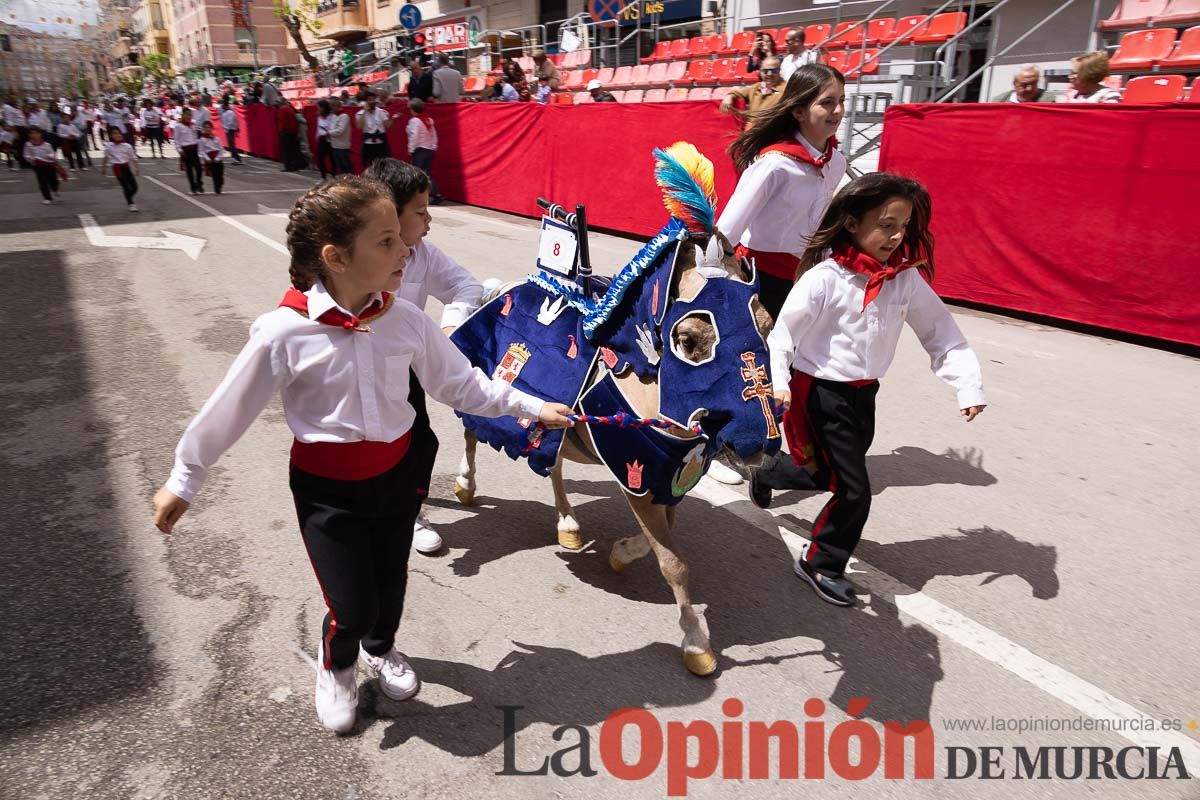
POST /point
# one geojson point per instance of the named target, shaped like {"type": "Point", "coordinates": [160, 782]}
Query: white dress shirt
{"type": "Point", "coordinates": [337, 385]}
{"type": "Point", "coordinates": [207, 145]}
{"type": "Point", "coordinates": [115, 119]}
{"type": "Point", "coordinates": [339, 132]}
{"type": "Point", "coordinates": [39, 119]}
{"type": "Point", "coordinates": [420, 136]}
{"type": "Point", "coordinates": [183, 135]}
{"type": "Point", "coordinates": [39, 152]}
{"type": "Point", "coordinates": [66, 130]}
{"type": "Point", "coordinates": [200, 115]}
{"type": "Point", "coordinates": [229, 119]}
{"type": "Point", "coordinates": [790, 63]}
{"type": "Point", "coordinates": [323, 125]}
{"type": "Point", "coordinates": [122, 153]}
{"type": "Point", "coordinates": [13, 115]}
{"type": "Point", "coordinates": [151, 118]}
{"type": "Point", "coordinates": [779, 201]}
{"type": "Point", "coordinates": [429, 271]}
{"type": "Point", "coordinates": [823, 330]}
{"type": "Point", "coordinates": [372, 122]}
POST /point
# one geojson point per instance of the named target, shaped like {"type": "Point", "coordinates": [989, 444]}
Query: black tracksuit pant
{"type": "Point", "coordinates": [843, 425]}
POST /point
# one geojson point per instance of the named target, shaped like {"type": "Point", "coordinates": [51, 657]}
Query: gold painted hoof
{"type": "Point", "coordinates": [465, 496]}
{"type": "Point", "coordinates": [701, 664]}
{"type": "Point", "coordinates": [572, 540]}
{"type": "Point", "coordinates": [618, 566]}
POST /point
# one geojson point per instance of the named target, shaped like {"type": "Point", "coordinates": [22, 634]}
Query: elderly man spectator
{"type": "Point", "coordinates": [1088, 73]}
{"type": "Point", "coordinates": [599, 94]}
{"type": "Point", "coordinates": [759, 96]}
{"type": "Point", "coordinates": [1026, 88]}
{"type": "Point", "coordinates": [544, 68]}
{"type": "Point", "coordinates": [447, 81]}
{"type": "Point", "coordinates": [420, 85]}
{"type": "Point", "coordinates": [798, 54]}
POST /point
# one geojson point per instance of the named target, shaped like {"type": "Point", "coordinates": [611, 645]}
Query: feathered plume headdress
{"type": "Point", "coordinates": [689, 191]}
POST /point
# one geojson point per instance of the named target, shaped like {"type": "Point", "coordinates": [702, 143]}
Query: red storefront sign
{"type": "Point", "coordinates": [449, 34]}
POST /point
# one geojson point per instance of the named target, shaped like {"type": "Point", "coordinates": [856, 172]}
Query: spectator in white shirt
{"type": "Point", "coordinates": [508, 93]}
{"type": "Point", "coordinates": [447, 82]}
{"type": "Point", "coordinates": [374, 122]}
{"type": "Point", "coordinates": [422, 143]}
{"type": "Point", "coordinates": [152, 126]}
{"type": "Point", "coordinates": [798, 54]}
{"type": "Point", "coordinates": [1088, 72]}
{"type": "Point", "coordinates": [339, 139]}
{"type": "Point", "coordinates": [324, 155]}
{"type": "Point", "coordinates": [231, 126]}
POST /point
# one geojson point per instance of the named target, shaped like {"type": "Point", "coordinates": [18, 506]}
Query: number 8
{"type": "Point", "coordinates": [557, 248]}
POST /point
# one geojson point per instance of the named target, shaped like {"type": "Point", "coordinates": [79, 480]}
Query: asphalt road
{"type": "Point", "coordinates": [1039, 564]}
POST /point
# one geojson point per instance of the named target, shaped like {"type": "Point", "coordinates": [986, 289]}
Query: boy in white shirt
{"type": "Point", "coordinates": [210, 156]}
{"type": "Point", "coordinates": [428, 271]}
{"type": "Point", "coordinates": [422, 143]}
{"type": "Point", "coordinates": [68, 140]}
{"type": "Point", "coordinates": [122, 158]}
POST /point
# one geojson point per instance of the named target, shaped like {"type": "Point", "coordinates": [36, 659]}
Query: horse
{"type": "Point", "coordinates": [672, 369]}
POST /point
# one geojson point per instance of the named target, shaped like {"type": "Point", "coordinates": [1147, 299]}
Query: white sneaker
{"type": "Point", "coordinates": [337, 696]}
{"type": "Point", "coordinates": [133, 207]}
{"type": "Point", "coordinates": [719, 472]}
{"type": "Point", "coordinates": [396, 678]}
{"type": "Point", "coordinates": [45, 202]}
{"type": "Point", "coordinates": [425, 540]}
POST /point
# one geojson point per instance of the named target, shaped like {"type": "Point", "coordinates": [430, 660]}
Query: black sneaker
{"type": "Point", "coordinates": [838, 591]}
{"type": "Point", "coordinates": [759, 495]}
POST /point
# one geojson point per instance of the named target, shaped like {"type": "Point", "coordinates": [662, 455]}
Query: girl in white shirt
{"type": "Point", "coordinates": [338, 351]}
{"type": "Point", "coordinates": [862, 277]}
{"type": "Point", "coordinates": [428, 272]}
{"type": "Point", "coordinates": [122, 157]}
{"type": "Point", "coordinates": [210, 149]}
{"type": "Point", "coordinates": [790, 169]}
{"type": "Point", "coordinates": [68, 141]}
{"type": "Point", "coordinates": [152, 126]}
{"type": "Point", "coordinates": [187, 142]}
{"type": "Point", "coordinates": [40, 154]}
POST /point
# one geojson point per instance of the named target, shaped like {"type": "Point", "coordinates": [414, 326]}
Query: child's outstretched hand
{"type": "Point", "coordinates": [168, 508]}
{"type": "Point", "coordinates": [972, 412]}
{"type": "Point", "coordinates": [554, 415]}
{"type": "Point", "coordinates": [783, 399]}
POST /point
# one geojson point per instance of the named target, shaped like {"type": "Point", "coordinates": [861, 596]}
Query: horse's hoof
{"type": "Point", "coordinates": [572, 540]}
{"type": "Point", "coordinates": [618, 566]}
{"type": "Point", "coordinates": [701, 664]}
{"type": "Point", "coordinates": [465, 496]}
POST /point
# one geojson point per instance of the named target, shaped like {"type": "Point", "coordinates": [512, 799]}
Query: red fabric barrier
{"type": "Point", "coordinates": [1078, 212]}
{"type": "Point", "coordinates": [506, 155]}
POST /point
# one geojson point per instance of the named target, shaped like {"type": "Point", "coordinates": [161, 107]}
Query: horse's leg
{"type": "Point", "coordinates": [568, 527]}
{"type": "Point", "coordinates": [625, 551]}
{"type": "Point", "coordinates": [464, 483]}
{"type": "Point", "coordinates": [655, 521]}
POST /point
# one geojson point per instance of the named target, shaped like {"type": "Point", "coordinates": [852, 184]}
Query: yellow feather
{"type": "Point", "coordinates": [697, 166]}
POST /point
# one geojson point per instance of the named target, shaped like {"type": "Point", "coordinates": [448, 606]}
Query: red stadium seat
{"type": "Point", "coordinates": [1155, 89]}
{"type": "Point", "coordinates": [740, 44]}
{"type": "Point", "coordinates": [878, 30]}
{"type": "Point", "coordinates": [1179, 12]}
{"type": "Point", "coordinates": [1193, 95]}
{"type": "Point", "coordinates": [583, 97]}
{"type": "Point", "coordinates": [619, 95]}
{"type": "Point", "coordinates": [904, 29]}
{"type": "Point", "coordinates": [815, 34]}
{"type": "Point", "coordinates": [579, 58]}
{"type": "Point", "coordinates": [659, 54]}
{"type": "Point", "coordinates": [700, 93]}
{"type": "Point", "coordinates": [473, 85]}
{"type": "Point", "coordinates": [855, 60]}
{"type": "Point", "coordinates": [716, 43]}
{"type": "Point", "coordinates": [677, 73]}
{"type": "Point", "coordinates": [654, 96]}
{"type": "Point", "coordinates": [632, 96]}
{"type": "Point", "coordinates": [1187, 52]}
{"type": "Point", "coordinates": [740, 75]}
{"type": "Point", "coordinates": [783, 34]}
{"type": "Point", "coordinates": [836, 59]}
{"type": "Point", "coordinates": [587, 75]}
{"type": "Point", "coordinates": [720, 92]}
{"type": "Point", "coordinates": [676, 95]}
{"type": "Point", "coordinates": [1133, 14]}
{"type": "Point", "coordinates": [1142, 49]}
{"type": "Point", "coordinates": [722, 71]}
{"type": "Point", "coordinates": [526, 63]}
{"type": "Point", "coordinates": [658, 74]}
{"type": "Point", "coordinates": [571, 79]}
{"type": "Point", "coordinates": [562, 98]}
{"type": "Point", "coordinates": [641, 75]}
{"type": "Point", "coordinates": [679, 48]}
{"type": "Point", "coordinates": [941, 28]}
{"type": "Point", "coordinates": [848, 34]}
{"type": "Point", "coordinates": [700, 47]}
{"type": "Point", "coordinates": [605, 76]}
{"type": "Point", "coordinates": [700, 72]}
{"type": "Point", "coordinates": [623, 76]}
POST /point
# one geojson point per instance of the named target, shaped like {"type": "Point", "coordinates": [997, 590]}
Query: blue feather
{"type": "Point", "coordinates": [679, 185]}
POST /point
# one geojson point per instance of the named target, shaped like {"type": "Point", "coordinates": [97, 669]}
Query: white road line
{"type": "Point", "coordinates": [268, 241]}
{"type": "Point", "coordinates": [1030, 667]}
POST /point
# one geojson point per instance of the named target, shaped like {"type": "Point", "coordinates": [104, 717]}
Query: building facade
{"type": "Point", "coordinates": [37, 65]}
{"type": "Point", "coordinates": [220, 38]}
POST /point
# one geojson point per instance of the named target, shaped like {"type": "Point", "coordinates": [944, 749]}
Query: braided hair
{"type": "Point", "coordinates": [329, 213]}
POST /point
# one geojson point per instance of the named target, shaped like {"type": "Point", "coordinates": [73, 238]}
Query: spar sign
{"type": "Point", "coordinates": [455, 33]}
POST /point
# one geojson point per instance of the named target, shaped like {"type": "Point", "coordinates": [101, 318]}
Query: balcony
{"type": "Point", "coordinates": [344, 19]}
{"type": "Point", "coordinates": [235, 57]}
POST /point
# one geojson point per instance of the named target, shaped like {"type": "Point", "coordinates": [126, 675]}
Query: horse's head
{"type": "Point", "coordinates": [715, 368]}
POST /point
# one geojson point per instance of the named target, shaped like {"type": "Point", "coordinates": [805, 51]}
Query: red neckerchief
{"type": "Point", "coordinates": [798, 151]}
{"type": "Point", "coordinates": [298, 301]}
{"type": "Point", "coordinates": [426, 121]}
{"type": "Point", "coordinates": [877, 274]}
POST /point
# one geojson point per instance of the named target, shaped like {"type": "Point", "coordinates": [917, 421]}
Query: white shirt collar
{"type": "Point", "coordinates": [814, 152]}
{"type": "Point", "coordinates": [320, 301]}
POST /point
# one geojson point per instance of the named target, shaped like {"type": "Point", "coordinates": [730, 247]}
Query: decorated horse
{"type": "Point", "coordinates": [665, 364]}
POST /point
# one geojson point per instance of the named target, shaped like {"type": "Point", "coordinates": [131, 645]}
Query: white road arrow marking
{"type": "Point", "coordinates": [273, 212]}
{"type": "Point", "coordinates": [168, 241]}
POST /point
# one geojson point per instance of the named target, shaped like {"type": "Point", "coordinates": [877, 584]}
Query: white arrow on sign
{"type": "Point", "coordinates": [168, 241]}
{"type": "Point", "coordinates": [273, 212]}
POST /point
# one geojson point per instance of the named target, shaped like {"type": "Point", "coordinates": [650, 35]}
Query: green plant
{"type": "Point", "coordinates": [297, 17]}
{"type": "Point", "coordinates": [158, 68]}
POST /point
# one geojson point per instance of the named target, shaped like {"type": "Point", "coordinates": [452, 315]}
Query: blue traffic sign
{"type": "Point", "coordinates": [410, 17]}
